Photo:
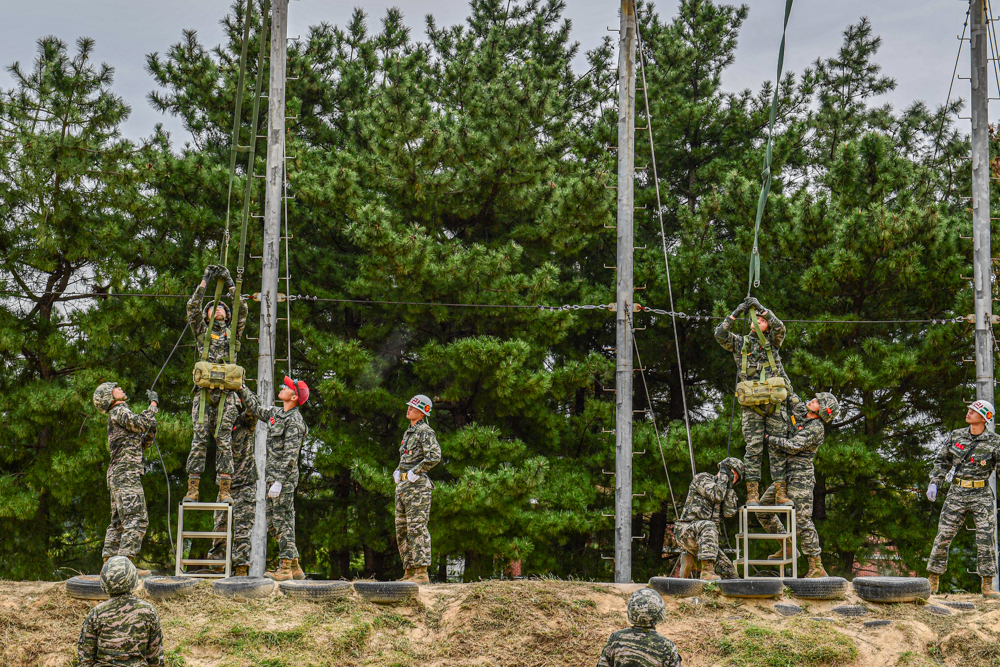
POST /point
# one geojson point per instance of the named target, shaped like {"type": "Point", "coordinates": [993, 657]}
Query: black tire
{"type": "Point", "coordinates": [86, 587]}
{"type": "Point", "coordinates": [751, 588]}
{"type": "Point", "coordinates": [244, 587]}
{"type": "Point", "coordinates": [937, 611]}
{"type": "Point", "coordinates": [821, 588]}
{"type": "Point", "coordinates": [386, 592]}
{"type": "Point", "coordinates": [961, 606]}
{"type": "Point", "coordinates": [164, 588]}
{"type": "Point", "coordinates": [850, 610]}
{"type": "Point", "coordinates": [892, 589]}
{"type": "Point", "coordinates": [877, 624]}
{"type": "Point", "coordinates": [316, 590]}
{"type": "Point", "coordinates": [680, 588]}
{"type": "Point", "coordinates": [788, 609]}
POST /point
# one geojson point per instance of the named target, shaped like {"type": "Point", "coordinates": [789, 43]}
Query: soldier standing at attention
{"type": "Point", "coordinates": [212, 329]}
{"type": "Point", "coordinates": [975, 453]}
{"type": "Point", "coordinates": [759, 419]}
{"type": "Point", "coordinates": [286, 430]}
{"type": "Point", "coordinates": [244, 495]}
{"type": "Point", "coordinates": [806, 425]}
{"type": "Point", "coordinates": [697, 530]}
{"type": "Point", "coordinates": [419, 451]}
{"type": "Point", "coordinates": [123, 630]}
{"type": "Point", "coordinates": [641, 645]}
{"type": "Point", "coordinates": [128, 435]}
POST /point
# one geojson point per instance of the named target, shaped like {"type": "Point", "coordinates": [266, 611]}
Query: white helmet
{"type": "Point", "coordinates": [985, 408]}
{"type": "Point", "coordinates": [421, 403]}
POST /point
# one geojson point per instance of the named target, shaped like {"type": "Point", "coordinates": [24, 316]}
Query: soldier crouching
{"type": "Point", "coordinates": [697, 532]}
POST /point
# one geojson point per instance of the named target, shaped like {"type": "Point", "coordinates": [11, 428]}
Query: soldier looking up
{"type": "Point", "coordinates": [697, 530]}
{"type": "Point", "coordinates": [286, 430]}
{"type": "Point", "coordinates": [806, 425]}
{"type": "Point", "coordinates": [419, 451]}
{"type": "Point", "coordinates": [212, 328]}
{"type": "Point", "coordinates": [244, 495]}
{"type": "Point", "coordinates": [123, 630]}
{"type": "Point", "coordinates": [128, 435]}
{"type": "Point", "coordinates": [641, 645]}
{"type": "Point", "coordinates": [760, 419]}
{"type": "Point", "coordinates": [975, 454]}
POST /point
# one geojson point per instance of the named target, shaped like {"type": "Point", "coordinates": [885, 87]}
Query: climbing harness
{"type": "Point", "coordinates": [766, 389]}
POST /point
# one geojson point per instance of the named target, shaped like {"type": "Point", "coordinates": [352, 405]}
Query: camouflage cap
{"type": "Point", "coordinates": [646, 609]}
{"type": "Point", "coordinates": [103, 398]}
{"type": "Point", "coordinates": [733, 463]}
{"type": "Point", "coordinates": [118, 576]}
{"type": "Point", "coordinates": [829, 407]}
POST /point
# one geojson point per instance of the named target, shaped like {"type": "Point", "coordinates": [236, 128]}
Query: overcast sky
{"type": "Point", "coordinates": [918, 50]}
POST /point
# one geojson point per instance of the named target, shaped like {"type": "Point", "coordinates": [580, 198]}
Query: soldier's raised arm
{"type": "Point", "coordinates": [252, 405]}
{"type": "Point", "coordinates": [727, 339]}
{"type": "Point", "coordinates": [731, 504]}
{"type": "Point", "coordinates": [708, 486]}
{"type": "Point", "coordinates": [775, 329]}
{"type": "Point", "coordinates": [195, 312]}
{"type": "Point", "coordinates": [136, 423]}
{"type": "Point", "coordinates": [241, 319]}
{"type": "Point", "coordinates": [803, 440]}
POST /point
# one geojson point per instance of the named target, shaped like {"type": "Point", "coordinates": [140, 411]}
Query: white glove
{"type": "Point", "coordinates": [412, 476]}
{"type": "Point", "coordinates": [274, 491]}
{"type": "Point", "coordinates": [932, 492]}
{"type": "Point", "coordinates": [395, 476]}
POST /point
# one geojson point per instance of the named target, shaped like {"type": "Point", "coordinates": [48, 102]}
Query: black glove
{"type": "Point", "coordinates": [223, 272]}
{"type": "Point", "coordinates": [210, 271]}
{"type": "Point", "coordinates": [152, 396]}
{"type": "Point", "coordinates": [752, 302]}
{"type": "Point", "coordinates": [740, 309]}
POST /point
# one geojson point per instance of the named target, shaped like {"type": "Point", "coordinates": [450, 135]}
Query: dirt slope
{"type": "Point", "coordinates": [500, 624]}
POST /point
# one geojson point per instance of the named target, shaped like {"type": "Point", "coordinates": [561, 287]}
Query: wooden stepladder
{"type": "Point", "coordinates": [744, 537]}
{"type": "Point", "coordinates": [180, 562]}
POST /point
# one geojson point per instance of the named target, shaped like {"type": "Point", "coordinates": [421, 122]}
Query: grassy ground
{"type": "Point", "coordinates": [503, 624]}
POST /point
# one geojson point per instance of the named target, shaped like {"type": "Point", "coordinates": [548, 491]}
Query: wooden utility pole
{"type": "Point", "coordinates": [625, 294]}
{"type": "Point", "coordinates": [271, 253]}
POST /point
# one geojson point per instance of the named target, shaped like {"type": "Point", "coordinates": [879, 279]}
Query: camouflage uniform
{"type": "Point", "coordinates": [244, 494]}
{"type": "Point", "coordinates": [960, 500]}
{"type": "Point", "coordinates": [800, 450]}
{"type": "Point", "coordinates": [419, 451]}
{"type": "Point", "coordinates": [697, 531]}
{"type": "Point", "coordinates": [218, 353]}
{"type": "Point", "coordinates": [641, 645]}
{"type": "Point", "coordinates": [128, 503]}
{"type": "Point", "coordinates": [770, 419]}
{"type": "Point", "coordinates": [123, 631]}
{"type": "Point", "coordinates": [285, 433]}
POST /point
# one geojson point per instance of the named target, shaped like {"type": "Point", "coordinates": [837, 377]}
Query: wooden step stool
{"type": "Point", "coordinates": [180, 562]}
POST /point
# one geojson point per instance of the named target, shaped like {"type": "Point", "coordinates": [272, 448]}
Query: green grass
{"type": "Point", "coordinates": [911, 659]}
{"type": "Point", "coordinates": [801, 644]}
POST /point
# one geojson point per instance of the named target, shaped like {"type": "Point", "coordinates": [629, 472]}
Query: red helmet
{"type": "Point", "coordinates": [300, 388]}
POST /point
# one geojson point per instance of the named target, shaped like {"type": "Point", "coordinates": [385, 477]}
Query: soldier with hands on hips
{"type": "Point", "coordinates": [286, 430]}
{"type": "Point", "coordinates": [975, 454]}
{"type": "Point", "coordinates": [641, 645]}
{"type": "Point", "coordinates": [128, 435]}
{"type": "Point", "coordinates": [419, 451]}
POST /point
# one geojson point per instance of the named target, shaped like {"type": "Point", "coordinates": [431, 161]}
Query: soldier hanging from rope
{"type": "Point", "coordinates": [764, 391]}
{"type": "Point", "coordinates": [219, 413]}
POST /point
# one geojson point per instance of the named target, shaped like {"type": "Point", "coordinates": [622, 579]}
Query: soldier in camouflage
{"type": "Point", "coordinates": [419, 451]}
{"type": "Point", "coordinates": [697, 531]}
{"type": "Point", "coordinates": [975, 454]}
{"type": "Point", "coordinates": [758, 420]}
{"type": "Point", "coordinates": [641, 645]}
{"type": "Point", "coordinates": [218, 352]}
{"type": "Point", "coordinates": [128, 435]}
{"type": "Point", "coordinates": [244, 495]}
{"type": "Point", "coordinates": [286, 430]}
{"type": "Point", "coordinates": [123, 630]}
{"type": "Point", "coordinates": [806, 426]}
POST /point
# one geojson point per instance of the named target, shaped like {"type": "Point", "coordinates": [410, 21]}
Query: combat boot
{"type": "Point", "coordinates": [753, 494]}
{"type": "Point", "coordinates": [241, 571]}
{"type": "Point", "coordinates": [297, 572]}
{"type": "Point", "coordinates": [816, 569]}
{"type": "Point", "coordinates": [106, 559]}
{"type": "Point", "coordinates": [138, 570]}
{"type": "Point", "coordinates": [708, 571]}
{"type": "Point", "coordinates": [781, 494]}
{"type": "Point", "coordinates": [687, 564]}
{"type": "Point", "coordinates": [934, 580]}
{"type": "Point", "coordinates": [225, 488]}
{"type": "Point", "coordinates": [988, 591]}
{"type": "Point", "coordinates": [192, 493]}
{"type": "Point", "coordinates": [407, 575]}
{"type": "Point", "coordinates": [420, 576]}
{"type": "Point", "coordinates": [784, 552]}
{"type": "Point", "coordinates": [284, 571]}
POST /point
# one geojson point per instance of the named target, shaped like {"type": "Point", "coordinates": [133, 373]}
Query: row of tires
{"type": "Point", "coordinates": [871, 589]}
{"type": "Point", "coordinates": [88, 587]}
